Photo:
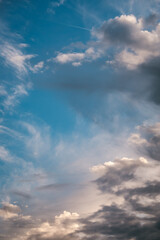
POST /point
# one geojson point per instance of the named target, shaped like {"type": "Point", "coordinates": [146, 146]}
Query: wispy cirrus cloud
{"type": "Point", "coordinates": [15, 58]}
{"type": "Point", "coordinates": [12, 98]}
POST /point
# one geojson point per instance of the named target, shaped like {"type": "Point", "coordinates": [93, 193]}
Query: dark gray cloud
{"type": "Point", "coordinates": [151, 68]}
{"type": "Point", "coordinates": [115, 223]}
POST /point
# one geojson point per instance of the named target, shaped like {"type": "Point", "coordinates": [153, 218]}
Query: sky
{"type": "Point", "coordinates": [79, 120]}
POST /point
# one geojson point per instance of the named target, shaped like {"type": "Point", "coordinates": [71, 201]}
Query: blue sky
{"type": "Point", "coordinates": [79, 119]}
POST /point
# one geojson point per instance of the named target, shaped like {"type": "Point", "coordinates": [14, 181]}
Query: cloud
{"type": "Point", "coordinates": [9, 210]}
{"type": "Point", "coordinates": [12, 99]}
{"type": "Point", "coordinates": [37, 67]}
{"type": "Point", "coordinates": [15, 58]}
{"type": "Point", "coordinates": [128, 32]}
{"type": "Point", "coordinates": [119, 171]}
{"type": "Point", "coordinates": [76, 58]}
{"type": "Point", "coordinates": [69, 57]}
{"type": "Point", "coordinates": [137, 181]}
{"type": "Point", "coordinates": [147, 140]}
{"type": "Point", "coordinates": [64, 224]}
{"type": "Point", "coordinates": [24, 227]}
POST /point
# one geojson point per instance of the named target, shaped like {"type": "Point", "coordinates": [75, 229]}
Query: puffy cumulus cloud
{"type": "Point", "coordinates": [147, 140]}
{"type": "Point", "coordinates": [27, 228]}
{"type": "Point", "coordinates": [77, 58]}
{"type": "Point", "coordinates": [129, 34]}
{"type": "Point", "coordinates": [9, 210]}
{"type": "Point", "coordinates": [64, 224]}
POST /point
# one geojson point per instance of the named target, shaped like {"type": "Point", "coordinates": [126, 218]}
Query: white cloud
{"type": "Point", "coordinates": [118, 163]}
{"type": "Point", "coordinates": [69, 57]}
{"type": "Point", "coordinates": [15, 58]}
{"type": "Point", "coordinates": [77, 58]}
{"type": "Point", "coordinates": [12, 98]}
{"type": "Point", "coordinates": [37, 67]}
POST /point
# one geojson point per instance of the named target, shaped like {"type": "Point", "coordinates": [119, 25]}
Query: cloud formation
{"type": "Point", "coordinates": [77, 58]}
{"type": "Point", "coordinates": [9, 210]}
{"type": "Point", "coordinates": [26, 228]}
{"type": "Point", "coordinates": [129, 33]}
{"type": "Point", "coordinates": [147, 140]}
{"type": "Point", "coordinates": [15, 58]}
